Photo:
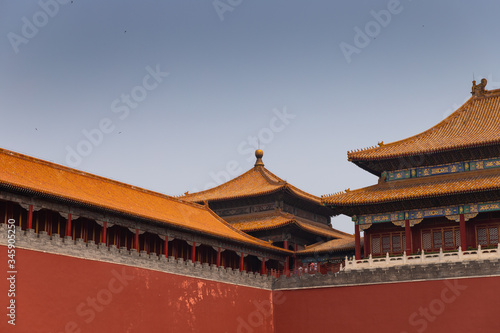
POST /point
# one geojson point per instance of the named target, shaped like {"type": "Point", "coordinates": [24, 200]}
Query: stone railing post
{"type": "Point", "coordinates": [348, 264]}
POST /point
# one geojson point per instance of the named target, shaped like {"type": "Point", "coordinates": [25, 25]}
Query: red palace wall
{"type": "Point", "coordinates": [60, 294]}
{"type": "Point", "coordinates": [461, 305]}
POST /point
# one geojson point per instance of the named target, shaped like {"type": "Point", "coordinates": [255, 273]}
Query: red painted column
{"type": "Point", "coordinates": [357, 240]}
{"type": "Point", "coordinates": [408, 237]}
{"type": "Point", "coordinates": [165, 246]}
{"type": "Point", "coordinates": [367, 246]}
{"type": "Point", "coordinates": [104, 229]}
{"type": "Point", "coordinates": [463, 234]}
{"type": "Point", "coordinates": [68, 226]}
{"type": "Point", "coordinates": [136, 240]}
{"type": "Point", "coordinates": [193, 252]}
{"type": "Point", "coordinates": [295, 259]}
{"type": "Point", "coordinates": [30, 217]}
{"type": "Point", "coordinates": [285, 245]}
{"type": "Point", "coordinates": [218, 257]}
{"type": "Point", "coordinates": [263, 266]}
{"type": "Point", "coordinates": [48, 222]}
{"type": "Point", "coordinates": [242, 263]}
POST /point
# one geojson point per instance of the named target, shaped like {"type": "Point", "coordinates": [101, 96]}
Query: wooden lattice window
{"type": "Point", "coordinates": [392, 243]}
{"type": "Point", "coordinates": [487, 235]}
{"type": "Point", "coordinates": [375, 245]}
{"type": "Point", "coordinates": [437, 238]}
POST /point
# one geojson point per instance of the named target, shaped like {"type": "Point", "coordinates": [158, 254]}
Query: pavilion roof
{"type": "Point", "coordinates": [418, 188]}
{"type": "Point", "coordinates": [475, 124]}
{"type": "Point", "coordinates": [34, 175]}
{"type": "Point", "coordinates": [278, 219]}
{"type": "Point", "coordinates": [255, 182]}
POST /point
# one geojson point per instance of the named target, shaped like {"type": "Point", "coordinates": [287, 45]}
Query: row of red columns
{"type": "Point", "coordinates": [193, 249]}
{"type": "Point", "coordinates": [408, 249]}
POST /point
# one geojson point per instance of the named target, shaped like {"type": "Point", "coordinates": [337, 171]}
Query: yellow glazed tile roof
{"type": "Point", "coordinates": [417, 188]}
{"type": "Point", "coordinates": [334, 245]}
{"type": "Point", "coordinates": [277, 219]}
{"type": "Point", "coordinates": [476, 123]}
{"type": "Point", "coordinates": [28, 173]}
{"type": "Point", "coordinates": [254, 182]}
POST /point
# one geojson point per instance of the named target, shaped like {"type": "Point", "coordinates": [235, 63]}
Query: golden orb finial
{"type": "Point", "coordinates": [258, 154]}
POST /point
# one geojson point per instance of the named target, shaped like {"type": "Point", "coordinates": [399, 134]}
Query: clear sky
{"type": "Point", "coordinates": [173, 95]}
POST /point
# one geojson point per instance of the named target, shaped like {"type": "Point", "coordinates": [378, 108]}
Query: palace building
{"type": "Point", "coordinates": [263, 205]}
{"type": "Point", "coordinates": [83, 253]}
{"type": "Point", "coordinates": [438, 190]}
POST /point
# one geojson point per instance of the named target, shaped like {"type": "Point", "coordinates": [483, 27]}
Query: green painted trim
{"type": "Point", "coordinates": [444, 169]}
{"type": "Point", "coordinates": [427, 213]}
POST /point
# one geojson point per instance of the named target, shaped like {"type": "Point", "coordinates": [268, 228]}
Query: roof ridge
{"type": "Point", "coordinates": [443, 122]}
{"type": "Point", "coordinates": [225, 184]}
{"type": "Point", "coordinates": [473, 124]}
{"type": "Point", "coordinates": [90, 175]}
{"type": "Point", "coordinates": [59, 182]}
{"type": "Point", "coordinates": [263, 170]}
{"type": "Point", "coordinates": [291, 187]}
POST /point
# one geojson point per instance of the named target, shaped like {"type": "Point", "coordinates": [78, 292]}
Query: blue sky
{"type": "Point", "coordinates": [174, 94]}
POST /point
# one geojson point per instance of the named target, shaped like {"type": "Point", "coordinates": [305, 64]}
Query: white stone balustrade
{"type": "Point", "coordinates": [422, 259]}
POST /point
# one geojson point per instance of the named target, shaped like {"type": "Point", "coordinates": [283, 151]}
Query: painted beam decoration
{"type": "Point", "coordinates": [367, 220]}
{"type": "Point", "coordinates": [444, 169]}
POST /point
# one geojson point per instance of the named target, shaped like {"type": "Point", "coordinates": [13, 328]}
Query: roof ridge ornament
{"type": "Point", "coordinates": [258, 154]}
{"type": "Point", "coordinates": [479, 90]}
